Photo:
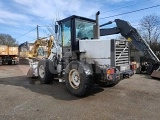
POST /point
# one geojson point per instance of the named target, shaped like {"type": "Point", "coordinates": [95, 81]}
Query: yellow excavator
{"type": "Point", "coordinates": [41, 49]}
{"type": "Point", "coordinates": [36, 52]}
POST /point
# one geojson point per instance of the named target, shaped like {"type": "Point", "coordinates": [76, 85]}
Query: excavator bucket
{"type": "Point", "coordinates": [155, 74]}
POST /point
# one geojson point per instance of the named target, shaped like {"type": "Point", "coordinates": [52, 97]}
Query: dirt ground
{"type": "Point", "coordinates": [135, 98]}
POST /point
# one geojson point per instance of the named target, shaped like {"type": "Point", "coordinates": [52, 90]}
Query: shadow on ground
{"type": "Point", "coordinates": [56, 89]}
{"type": "Point", "coordinates": [146, 76]}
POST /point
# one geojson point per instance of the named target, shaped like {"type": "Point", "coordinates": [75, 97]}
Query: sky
{"type": "Point", "coordinates": [19, 18]}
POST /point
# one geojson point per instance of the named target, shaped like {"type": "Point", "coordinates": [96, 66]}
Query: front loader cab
{"type": "Point", "coordinates": [73, 29]}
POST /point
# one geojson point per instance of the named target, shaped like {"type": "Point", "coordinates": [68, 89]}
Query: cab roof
{"type": "Point", "coordinates": [74, 17]}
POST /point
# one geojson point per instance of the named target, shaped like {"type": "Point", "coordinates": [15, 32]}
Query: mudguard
{"type": "Point", "coordinates": [87, 67]}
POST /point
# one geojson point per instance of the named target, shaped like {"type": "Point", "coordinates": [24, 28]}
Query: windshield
{"type": "Point", "coordinates": [84, 29]}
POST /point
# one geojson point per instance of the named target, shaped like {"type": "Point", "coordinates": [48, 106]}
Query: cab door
{"type": "Point", "coordinates": [66, 40]}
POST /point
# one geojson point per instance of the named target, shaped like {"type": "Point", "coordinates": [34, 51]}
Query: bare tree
{"type": "Point", "coordinates": [51, 30]}
{"type": "Point", "coordinates": [150, 27]}
{"type": "Point", "coordinates": [150, 31]}
{"type": "Point", "coordinates": [6, 39]}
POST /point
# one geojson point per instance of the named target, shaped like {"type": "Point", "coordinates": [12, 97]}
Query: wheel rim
{"type": "Point", "coordinates": [74, 78]}
{"type": "Point", "coordinates": [41, 71]}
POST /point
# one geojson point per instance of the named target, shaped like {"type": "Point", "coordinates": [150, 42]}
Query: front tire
{"type": "Point", "coordinates": [78, 78]}
{"type": "Point", "coordinates": [44, 72]}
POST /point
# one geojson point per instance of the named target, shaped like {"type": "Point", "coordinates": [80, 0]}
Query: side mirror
{"type": "Point", "coordinates": [56, 28]}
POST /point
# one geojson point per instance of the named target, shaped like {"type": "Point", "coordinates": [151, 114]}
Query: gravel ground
{"type": "Point", "coordinates": [135, 98]}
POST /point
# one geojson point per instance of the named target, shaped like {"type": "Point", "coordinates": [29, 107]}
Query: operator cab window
{"type": "Point", "coordinates": [66, 33]}
{"type": "Point", "coordinates": [84, 29]}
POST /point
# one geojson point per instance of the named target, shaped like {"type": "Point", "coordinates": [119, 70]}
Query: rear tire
{"type": "Point", "coordinates": [44, 72]}
{"type": "Point", "coordinates": [78, 78]}
{"type": "Point", "coordinates": [9, 62]}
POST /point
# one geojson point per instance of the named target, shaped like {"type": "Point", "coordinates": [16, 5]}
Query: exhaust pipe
{"type": "Point", "coordinates": [96, 27]}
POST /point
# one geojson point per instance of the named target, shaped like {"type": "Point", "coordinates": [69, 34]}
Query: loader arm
{"type": "Point", "coordinates": [50, 44]}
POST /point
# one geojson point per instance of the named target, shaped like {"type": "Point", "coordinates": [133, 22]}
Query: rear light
{"type": "Point", "coordinates": [133, 66]}
{"type": "Point", "coordinates": [110, 71]}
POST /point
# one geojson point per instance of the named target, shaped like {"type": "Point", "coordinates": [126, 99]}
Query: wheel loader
{"type": "Point", "coordinates": [81, 59]}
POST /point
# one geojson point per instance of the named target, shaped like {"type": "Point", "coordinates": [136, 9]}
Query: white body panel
{"type": "Point", "coordinates": [98, 51]}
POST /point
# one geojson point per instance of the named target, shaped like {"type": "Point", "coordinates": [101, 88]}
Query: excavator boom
{"type": "Point", "coordinates": [132, 35]}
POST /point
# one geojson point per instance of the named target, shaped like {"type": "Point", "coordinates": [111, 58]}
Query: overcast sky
{"type": "Point", "coordinates": [18, 17]}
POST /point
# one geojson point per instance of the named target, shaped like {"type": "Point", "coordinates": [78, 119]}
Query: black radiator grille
{"type": "Point", "coordinates": [121, 53]}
